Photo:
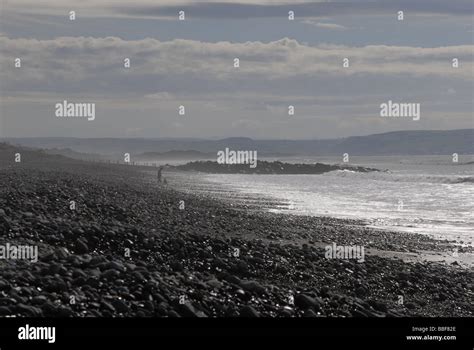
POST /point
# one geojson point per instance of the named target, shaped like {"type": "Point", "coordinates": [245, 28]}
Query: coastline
{"type": "Point", "coordinates": [181, 261]}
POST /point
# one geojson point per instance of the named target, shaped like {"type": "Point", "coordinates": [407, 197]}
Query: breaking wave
{"type": "Point", "coordinates": [387, 176]}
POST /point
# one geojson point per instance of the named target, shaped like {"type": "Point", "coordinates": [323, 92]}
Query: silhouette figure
{"type": "Point", "coordinates": [159, 176]}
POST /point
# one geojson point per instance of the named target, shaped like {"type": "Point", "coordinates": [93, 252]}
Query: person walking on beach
{"type": "Point", "coordinates": [160, 170]}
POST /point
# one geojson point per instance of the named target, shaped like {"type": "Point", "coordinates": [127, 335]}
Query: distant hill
{"type": "Point", "coordinates": [29, 157]}
{"type": "Point", "coordinates": [423, 142]}
{"type": "Point", "coordinates": [175, 155]}
{"type": "Point", "coordinates": [67, 152]}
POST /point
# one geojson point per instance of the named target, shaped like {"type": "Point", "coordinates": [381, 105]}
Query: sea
{"type": "Point", "coordinates": [424, 194]}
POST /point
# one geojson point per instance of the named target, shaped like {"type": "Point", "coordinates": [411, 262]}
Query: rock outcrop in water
{"type": "Point", "coordinates": [265, 167]}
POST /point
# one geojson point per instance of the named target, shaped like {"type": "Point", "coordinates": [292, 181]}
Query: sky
{"type": "Point", "coordinates": [190, 63]}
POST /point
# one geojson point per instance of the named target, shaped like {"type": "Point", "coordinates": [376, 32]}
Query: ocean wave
{"type": "Point", "coordinates": [344, 171]}
{"type": "Point", "coordinates": [388, 176]}
{"type": "Point", "coordinates": [462, 179]}
{"type": "Point", "coordinates": [441, 179]}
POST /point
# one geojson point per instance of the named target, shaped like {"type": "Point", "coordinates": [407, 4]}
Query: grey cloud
{"type": "Point", "coordinates": [200, 75]}
{"type": "Point", "coordinates": [302, 9]}
{"type": "Point", "coordinates": [242, 9]}
{"type": "Point", "coordinates": [324, 25]}
{"type": "Point", "coordinates": [92, 65]}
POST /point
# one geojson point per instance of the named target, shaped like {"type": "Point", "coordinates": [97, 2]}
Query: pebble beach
{"type": "Point", "coordinates": [130, 247]}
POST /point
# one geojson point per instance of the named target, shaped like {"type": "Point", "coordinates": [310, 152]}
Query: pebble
{"type": "Point", "coordinates": [81, 247]}
{"type": "Point", "coordinates": [116, 265]}
{"type": "Point", "coordinates": [120, 306]}
{"type": "Point", "coordinates": [252, 286]}
{"type": "Point", "coordinates": [110, 274]}
{"type": "Point", "coordinates": [304, 302]}
{"type": "Point", "coordinates": [5, 311]}
{"type": "Point", "coordinates": [249, 311]}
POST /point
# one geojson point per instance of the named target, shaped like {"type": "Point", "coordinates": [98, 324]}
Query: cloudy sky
{"type": "Point", "coordinates": [191, 63]}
